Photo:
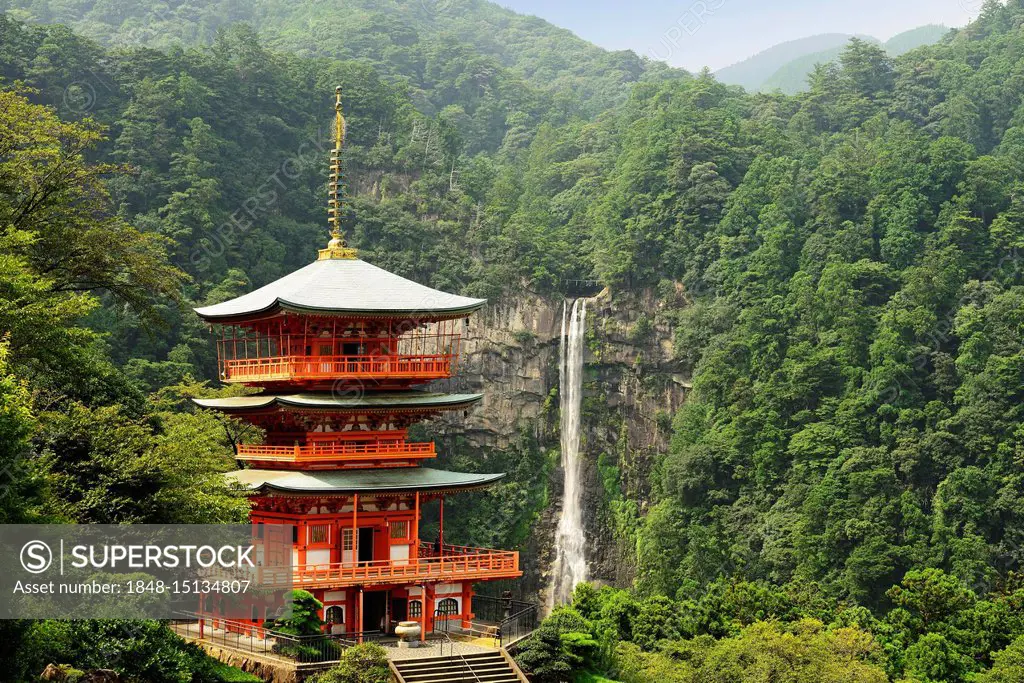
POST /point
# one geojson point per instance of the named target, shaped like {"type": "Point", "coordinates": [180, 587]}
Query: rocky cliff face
{"type": "Point", "coordinates": [632, 387]}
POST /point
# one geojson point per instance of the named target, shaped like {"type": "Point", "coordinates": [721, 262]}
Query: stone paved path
{"type": "Point", "coordinates": [433, 648]}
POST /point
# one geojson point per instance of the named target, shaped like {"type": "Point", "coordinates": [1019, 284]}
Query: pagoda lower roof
{"type": "Point", "coordinates": [361, 481]}
{"type": "Point", "coordinates": [343, 287]}
{"type": "Point", "coordinates": [368, 402]}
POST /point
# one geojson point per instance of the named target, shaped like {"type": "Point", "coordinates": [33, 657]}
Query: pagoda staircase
{"type": "Point", "coordinates": [484, 667]}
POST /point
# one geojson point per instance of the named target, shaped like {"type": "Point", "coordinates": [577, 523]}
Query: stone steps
{"type": "Point", "coordinates": [488, 667]}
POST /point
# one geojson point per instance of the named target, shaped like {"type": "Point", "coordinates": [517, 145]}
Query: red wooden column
{"type": "Point", "coordinates": [416, 529]}
{"type": "Point", "coordinates": [467, 604]}
{"type": "Point", "coordinates": [428, 606]}
{"type": "Point", "coordinates": [359, 616]}
{"type": "Point", "coordinates": [355, 532]}
{"type": "Point", "coordinates": [423, 613]}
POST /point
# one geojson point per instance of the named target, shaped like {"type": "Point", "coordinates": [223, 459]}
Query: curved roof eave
{"type": "Point", "coordinates": [389, 480]}
{"type": "Point", "coordinates": [342, 287]}
{"type": "Point", "coordinates": [329, 401]}
{"type": "Point", "coordinates": [281, 305]}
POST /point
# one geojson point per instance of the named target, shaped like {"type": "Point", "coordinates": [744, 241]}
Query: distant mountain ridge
{"type": "Point", "coordinates": [753, 71]}
{"type": "Point", "coordinates": [786, 66]}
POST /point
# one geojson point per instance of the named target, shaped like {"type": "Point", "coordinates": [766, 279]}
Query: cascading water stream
{"type": "Point", "coordinates": [570, 566]}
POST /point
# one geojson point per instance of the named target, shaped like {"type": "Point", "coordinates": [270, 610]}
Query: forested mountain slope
{"type": "Point", "coordinates": [841, 268]}
{"type": "Point", "coordinates": [419, 40]}
{"type": "Point", "coordinates": [906, 41]}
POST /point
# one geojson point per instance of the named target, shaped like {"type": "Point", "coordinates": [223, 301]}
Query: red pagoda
{"type": "Point", "coordinates": [341, 350]}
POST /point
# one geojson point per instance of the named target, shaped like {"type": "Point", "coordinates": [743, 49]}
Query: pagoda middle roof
{"type": "Point", "coordinates": [413, 400]}
{"type": "Point", "coordinates": [359, 481]}
{"type": "Point", "coordinates": [339, 287]}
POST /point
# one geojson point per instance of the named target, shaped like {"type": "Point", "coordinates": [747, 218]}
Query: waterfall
{"type": "Point", "coordinates": [570, 566]}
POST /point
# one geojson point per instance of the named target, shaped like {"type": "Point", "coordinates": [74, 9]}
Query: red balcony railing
{"type": "Point", "coordinates": [330, 368]}
{"type": "Point", "coordinates": [455, 563]}
{"type": "Point", "coordinates": [333, 452]}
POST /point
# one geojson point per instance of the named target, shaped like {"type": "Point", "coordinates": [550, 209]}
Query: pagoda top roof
{"type": "Point", "coordinates": [343, 286]}
{"type": "Point", "coordinates": [412, 399]}
{"type": "Point", "coordinates": [361, 481]}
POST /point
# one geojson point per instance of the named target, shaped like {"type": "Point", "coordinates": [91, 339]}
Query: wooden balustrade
{"type": "Point", "coordinates": [454, 564]}
{"type": "Point", "coordinates": [284, 368]}
{"type": "Point", "coordinates": [334, 451]}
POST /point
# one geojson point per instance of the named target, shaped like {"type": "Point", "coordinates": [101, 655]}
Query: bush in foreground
{"type": "Point", "coordinates": [366, 663]}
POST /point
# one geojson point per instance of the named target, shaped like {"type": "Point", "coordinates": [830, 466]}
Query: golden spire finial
{"type": "Point", "coordinates": [336, 248]}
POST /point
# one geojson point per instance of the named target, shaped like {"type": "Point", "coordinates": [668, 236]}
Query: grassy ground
{"type": "Point", "coordinates": [592, 678]}
{"type": "Point", "coordinates": [229, 674]}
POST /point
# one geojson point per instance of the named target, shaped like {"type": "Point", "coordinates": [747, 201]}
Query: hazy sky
{"type": "Point", "coordinates": [716, 33]}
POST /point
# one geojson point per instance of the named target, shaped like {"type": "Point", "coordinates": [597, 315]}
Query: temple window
{"type": "Point", "coordinates": [448, 606]}
{"type": "Point", "coordinates": [320, 533]}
